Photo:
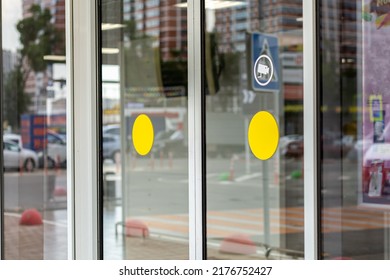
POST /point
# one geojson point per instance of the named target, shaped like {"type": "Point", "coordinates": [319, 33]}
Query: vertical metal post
{"type": "Point", "coordinates": [247, 150]}
{"type": "Point", "coordinates": [82, 128]}
{"type": "Point", "coordinates": [310, 129]}
{"type": "Point", "coordinates": [69, 129]}
{"type": "Point", "coordinates": [1, 143]}
{"type": "Point", "coordinates": [195, 131]}
{"type": "Point", "coordinates": [386, 222]}
{"type": "Point", "coordinates": [266, 219]}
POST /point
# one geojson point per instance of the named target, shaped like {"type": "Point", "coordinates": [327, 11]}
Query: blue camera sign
{"type": "Point", "coordinates": [265, 62]}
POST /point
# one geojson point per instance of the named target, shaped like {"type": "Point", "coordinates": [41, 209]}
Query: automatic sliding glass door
{"type": "Point", "coordinates": [34, 130]}
{"type": "Point", "coordinates": [254, 129]}
{"type": "Point", "coordinates": [144, 129]}
{"type": "Point", "coordinates": [354, 95]}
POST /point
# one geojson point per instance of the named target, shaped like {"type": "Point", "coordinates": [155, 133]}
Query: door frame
{"type": "Point", "coordinates": [84, 222]}
{"type": "Point", "coordinates": [84, 226]}
{"type": "Point", "coordinates": [84, 198]}
{"type": "Point", "coordinates": [310, 113]}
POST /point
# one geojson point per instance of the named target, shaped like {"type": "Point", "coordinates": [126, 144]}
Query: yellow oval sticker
{"type": "Point", "coordinates": [263, 135]}
{"type": "Point", "coordinates": [143, 134]}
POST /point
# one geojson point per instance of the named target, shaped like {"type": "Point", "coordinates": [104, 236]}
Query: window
{"type": "Point", "coordinates": [145, 201]}
{"type": "Point", "coordinates": [34, 105]}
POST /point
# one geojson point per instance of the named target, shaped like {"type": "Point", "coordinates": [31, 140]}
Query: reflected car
{"type": "Point", "coordinates": [285, 141]}
{"type": "Point", "coordinates": [294, 149]}
{"type": "Point", "coordinates": [15, 138]}
{"type": "Point", "coordinates": [16, 157]}
{"type": "Point", "coordinates": [111, 147]}
{"type": "Point", "coordinates": [55, 152]}
{"type": "Point", "coordinates": [112, 129]}
{"type": "Point", "coordinates": [169, 141]}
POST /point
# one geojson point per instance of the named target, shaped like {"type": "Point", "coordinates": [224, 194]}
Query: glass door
{"type": "Point", "coordinates": [252, 90]}
{"type": "Point", "coordinates": [354, 129]}
{"type": "Point", "coordinates": [144, 129]}
{"type": "Point", "coordinates": [34, 196]}
{"type": "Point", "coordinates": [254, 129]}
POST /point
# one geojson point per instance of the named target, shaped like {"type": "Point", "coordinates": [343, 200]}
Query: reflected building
{"type": "Point", "coordinates": [10, 60]}
{"type": "Point", "coordinates": [341, 58]}
{"type": "Point", "coordinates": [150, 30]}
{"type": "Point", "coordinates": [284, 20]}
{"type": "Point", "coordinates": [160, 19]}
{"type": "Point", "coordinates": [281, 19]}
{"type": "Point", "coordinates": [56, 7]}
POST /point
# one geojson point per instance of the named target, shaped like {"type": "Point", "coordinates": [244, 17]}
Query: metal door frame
{"type": "Point", "coordinates": [84, 223]}
{"type": "Point", "coordinates": [83, 122]}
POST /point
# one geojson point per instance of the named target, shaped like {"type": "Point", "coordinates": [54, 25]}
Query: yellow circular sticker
{"type": "Point", "coordinates": [143, 134]}
{"type": "Point", "coordinates": [263, 135]}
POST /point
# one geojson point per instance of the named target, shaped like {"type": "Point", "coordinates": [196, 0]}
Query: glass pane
{"type": "Point", "coordinates": [34, 111]}
{"type": "Point", "coordinates": [355, 186]}
{"type": "Point", "coordinates": [254, 125]}
{"type": "Point", "coordinates": [144, 99]}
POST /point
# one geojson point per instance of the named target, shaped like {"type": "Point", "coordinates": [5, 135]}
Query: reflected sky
{"type": "Point", "coordinates": [11, 14]}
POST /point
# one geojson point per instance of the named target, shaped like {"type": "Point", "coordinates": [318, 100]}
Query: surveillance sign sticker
{"type": "Point", "coordinates": [264, 62]}
{"type": "Point", "coordinates": [263, 70]}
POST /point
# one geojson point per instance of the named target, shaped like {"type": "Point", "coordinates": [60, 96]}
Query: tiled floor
{"type": "Point", "coordinates": [49, 241]}
{"type": "Point", "coordinates": [46, 241]}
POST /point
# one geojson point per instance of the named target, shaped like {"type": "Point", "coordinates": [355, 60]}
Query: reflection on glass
{"type": "Point", "coordinates": [253, 64]}
{"type": "Point", "coordinates": [34, 114]}
{"type": "Point", "coordinates": [354, 135]}
{"type": "Point", "coordinates": [144, 94]}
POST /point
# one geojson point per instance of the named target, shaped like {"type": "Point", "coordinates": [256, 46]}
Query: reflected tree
{"type": "Point", "coordinates": [38, 37]}
{"type": "Point", "coordinates": [16, 101]}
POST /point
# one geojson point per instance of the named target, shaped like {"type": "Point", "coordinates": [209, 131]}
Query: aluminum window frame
{"type": "Point", "coordinates": [84, 217]}
{"type": "Point", "coordinates": [2, 251]}
{"type": "Point", "coordinates": [196, 129]}
{"type": "Point", "coordinates": [84, 227]}
{"type": "Point", "coordinates": [310, 130]}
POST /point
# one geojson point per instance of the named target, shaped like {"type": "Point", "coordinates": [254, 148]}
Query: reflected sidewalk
{"type": "Point", "coordinates": [49, 241]}
{"type": "Point", "coordinates": [46, 241]}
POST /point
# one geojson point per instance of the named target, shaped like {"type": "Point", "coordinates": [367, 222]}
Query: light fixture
{"type": "Point", "coordinates": [110, 50]}
{"type": "Point", "coordinates": [300, 19]}
{"type": "Point", "coordinates": [54, 57]}
{"type": "Point", "coordinates": [111, 26]}
{"type": "Point", "coordinates": [216, 4]}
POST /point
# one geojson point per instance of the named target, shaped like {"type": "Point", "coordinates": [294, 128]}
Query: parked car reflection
{"type": "Point", "coordinates": [112, 129]}
{"type": "Point", "coordinates": [291, 145]}
{"type": "Point", "coordinates": [111, 147]}
{"type": "Point", "coordinates": [55, 151]}
{"type": "Point", "coordinates": [169, 141]}
{"type": "Point", "coordinates": [332, 145]}
{"type": "Point", "coordinates": [16, 157]}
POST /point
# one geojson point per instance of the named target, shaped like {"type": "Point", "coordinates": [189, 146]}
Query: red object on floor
{"type": "Point", "coordinates": [31, 217]}
{"type": "Point", "coordinates": [238, 244]}
{"type": "Point", "coordinates": [136, 228]}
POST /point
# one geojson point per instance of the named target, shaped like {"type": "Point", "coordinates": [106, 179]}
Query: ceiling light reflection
{"type": "Point", "coordinates": [111, 26]}
{"type": "Point", "coordinates": [110, 50]}
{"type": "Point", "coordinates": [217, 4]}
{"type": "Point", "coordinates": [54, 57]}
